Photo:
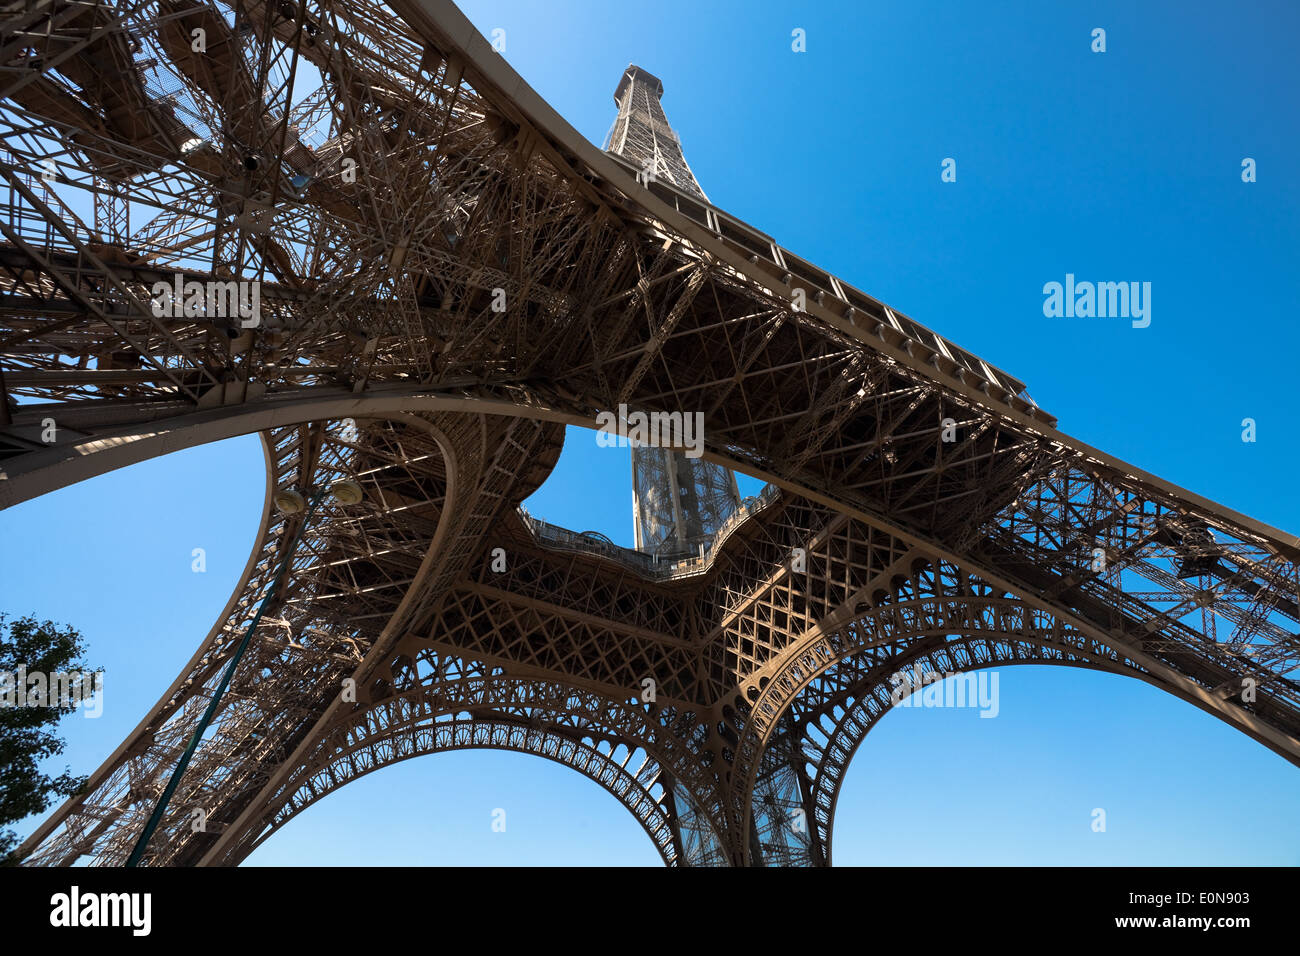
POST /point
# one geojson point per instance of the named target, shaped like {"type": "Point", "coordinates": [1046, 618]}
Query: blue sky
{"type": "Point", "coordinates": [1115, 166]}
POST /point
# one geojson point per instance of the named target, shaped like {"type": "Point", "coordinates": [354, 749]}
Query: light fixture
{"type": "Point", "coordinates": [347, 492]}
{"type": "Point", "coordinates": [289, 501]}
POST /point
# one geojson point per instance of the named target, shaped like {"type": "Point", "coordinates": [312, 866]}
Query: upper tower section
{"type": "Point", "coordinates": [642, 135]}
{"type": "Point", "coordinates": [678, 502]}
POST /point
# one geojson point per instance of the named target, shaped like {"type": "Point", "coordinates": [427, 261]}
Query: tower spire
{"type": "Point", "coordinates": [642, 134]}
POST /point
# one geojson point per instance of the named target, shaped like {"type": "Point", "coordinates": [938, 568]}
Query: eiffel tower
{"type": "Point", "coordinates": [448, 275]}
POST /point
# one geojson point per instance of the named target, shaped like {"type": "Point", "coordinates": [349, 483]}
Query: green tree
{"type": "Point", "coordinates": [27, 733]}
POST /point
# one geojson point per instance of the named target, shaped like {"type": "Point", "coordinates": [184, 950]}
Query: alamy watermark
{"type": "Point", "coordinates": [213, 299]}
{"type": "Point", "coordinates": [680, 430]}
{"type": "Point", "coordinates": [1102, 300]}
{"type": "Point", "coordinates": [23, 688]}
{"type": "Point", "coordinates": [76, 909]}
{"type": "Point", "coordinates": [919, 688]}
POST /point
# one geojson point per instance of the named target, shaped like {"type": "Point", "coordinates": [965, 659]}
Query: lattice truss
{"type": "Point", "coordinates": [447, 275]}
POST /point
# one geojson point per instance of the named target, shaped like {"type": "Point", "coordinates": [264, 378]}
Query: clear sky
{"type": "Point", "coordinates": [1116, 166]}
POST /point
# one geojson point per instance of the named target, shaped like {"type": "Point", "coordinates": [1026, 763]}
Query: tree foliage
{"type": "Point", "coordinates": [27, 736]}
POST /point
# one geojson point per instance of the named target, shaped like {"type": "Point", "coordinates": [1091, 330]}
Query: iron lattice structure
{"type": "Point", "coordinates": [387, 179]}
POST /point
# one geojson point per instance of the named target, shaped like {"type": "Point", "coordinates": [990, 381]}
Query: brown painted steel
{"type": "Point", "coordinates": [448, 275]}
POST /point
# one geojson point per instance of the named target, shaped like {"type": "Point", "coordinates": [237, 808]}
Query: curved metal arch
{"type": "Point", "coordinates": [869, 694]}
{"type": "Point", "coordinates": [862, 691]}
{"type": "Point", "coordinates": [530, 703]}
{"type": "Point", "coordinates": [927, 614]}
{"type": "Point", "coordinates": [857, 692]}
{"type": "Point", "coordinates": [250, 585]}
{"type": "Point", "coordinates": [121, 790]}
{"type": "Point", "coordinates": [865, 683]}
{"type": "Point", "coordinates": [943, 600]}
{"type": "Point", "coordinates": [477, 734]}
{"type": "Point", "coordinates": [486, 462]}
{"type": "Point", "coordinates": [36, 473]}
